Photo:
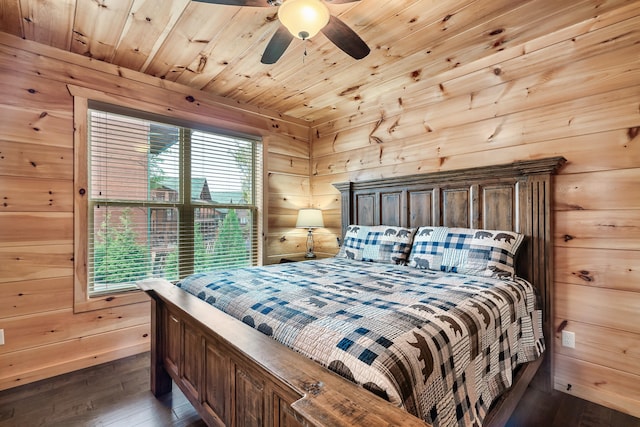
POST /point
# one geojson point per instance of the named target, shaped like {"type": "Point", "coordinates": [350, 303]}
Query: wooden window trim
{"type": "Point", "coordinates": [81, 97]}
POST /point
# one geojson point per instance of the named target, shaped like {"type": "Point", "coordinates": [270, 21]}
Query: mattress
{"type": "Point", "coordinates": [441, 345]}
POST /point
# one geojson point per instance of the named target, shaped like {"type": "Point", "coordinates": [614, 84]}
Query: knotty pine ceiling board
{"type": "Point", "coordinates": [505, 28]}
{"type": "Point", "coordinates": [404, 26]}
{"type": "Point", "coordinates": [188, 38]}
{"type": "Point", "coordinates": [148, 25]}
{"type": "Point", "coordinates": [464, 37]}
{"type": "Point", "coordinates": [97, 29]}
{"type": "Point", "coordinates": [416, 46]}
{"type": "Point", "coordinates": [10, 19]}
{"type": "Point", "coordinates": [48, 22]}
{"type": "Point", "coordinates": [234, 54]}
{"type": "Point", "coordinates": [246, 82]}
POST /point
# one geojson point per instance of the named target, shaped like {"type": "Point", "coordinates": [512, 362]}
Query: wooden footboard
{"type": "Point", "coordinates": [236, 376]}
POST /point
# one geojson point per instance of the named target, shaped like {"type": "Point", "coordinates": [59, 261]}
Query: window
{"type": "Point", "coordinates": [167, 200]}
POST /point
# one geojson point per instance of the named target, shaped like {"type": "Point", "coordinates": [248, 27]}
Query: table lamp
{"type": "Point", "coordinates": [309, 218]}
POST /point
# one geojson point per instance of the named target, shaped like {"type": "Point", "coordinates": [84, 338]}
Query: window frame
{"type": "Point", "coordinates": [82, 99]}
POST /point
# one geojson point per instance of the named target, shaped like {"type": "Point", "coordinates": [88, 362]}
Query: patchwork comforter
{"type": "Point", "coordinates": [441, 345]}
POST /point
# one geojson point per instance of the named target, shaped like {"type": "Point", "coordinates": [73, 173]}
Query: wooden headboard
{"type": "Point", "coordinates": [515, 196]}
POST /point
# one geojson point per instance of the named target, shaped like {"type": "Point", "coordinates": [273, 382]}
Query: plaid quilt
{"type": "Point", "coordinates": [441, 345]}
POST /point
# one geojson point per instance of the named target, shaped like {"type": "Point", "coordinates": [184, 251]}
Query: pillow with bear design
{"type": "Point", "coordinates": [353, 242]}
{"type": "Point", "coordinates": [377, 243]}
{"type": "Point", "coordinates": [487, 253]}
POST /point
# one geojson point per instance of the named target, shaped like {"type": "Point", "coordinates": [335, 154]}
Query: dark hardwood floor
{"type": "Point", "coordinates": [114, 394]}
{"type": "Point", "coordinates": [117, 394]}
{"type": "Point", "coordinates": [559, 409]}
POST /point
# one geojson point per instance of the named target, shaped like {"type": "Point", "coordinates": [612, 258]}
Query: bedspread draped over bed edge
{"type": "Point", "coordinates": [441, 345]}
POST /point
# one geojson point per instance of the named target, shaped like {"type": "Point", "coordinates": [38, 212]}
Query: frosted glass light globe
{"type": "Point", "coordinates": [304, 18]}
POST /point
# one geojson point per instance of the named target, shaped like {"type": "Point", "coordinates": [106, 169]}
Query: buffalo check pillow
{"type": "Point", "coordinates": [488, 253]}
{"type": "Point", "coordinates": [378, 243]}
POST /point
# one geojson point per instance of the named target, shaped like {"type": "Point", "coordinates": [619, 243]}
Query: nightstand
{"type": "Point", "coordinates": [298, 258]}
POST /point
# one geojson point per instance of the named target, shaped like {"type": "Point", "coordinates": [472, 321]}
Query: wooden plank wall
{"type": "Point", "coordinates": [574, 93]}
{"type": "Point", "coordinates": [44, 337]}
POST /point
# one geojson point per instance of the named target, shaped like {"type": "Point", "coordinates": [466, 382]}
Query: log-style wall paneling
{"type": "Point", "coordinates": [596, 343]}
{"type": "Point", "coordinates": [602, 190]}
{"type": "Point", "coordinates": [45, 332]}
{"type": "Point", "coordinates": [615, 389]}
{"type": "Point", "coordinates": [615, 229]}
{"type": "Point", "coordinates": [30, 262]}
{"type": "Point", "coordinates": [573, 93]}
{"type": "Point", "coordinates": [598, 267]}
{"type": "Point", "coordinates": [38, 161]}
{"type": "Point", "coordinates": [23, 194]}
{"type": "Point", "coordinates": [288, 191]}
{"type": "Point", "coordinates": [584, 303]}
{"type": "Point", "coordinates": [568, 119]}
{"type": "Point", "coordinates": [45, 361]}
{"type": "Point", "coordinates": [50, 227]}
{"type": "Point", "coordinates": [34, 330]}
{"type": "Point", "coordinates": [35, 296]}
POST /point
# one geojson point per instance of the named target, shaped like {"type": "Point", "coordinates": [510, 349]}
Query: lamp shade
{"type": "Point", "coordinates": [309, 218]}
{"type": "Point", "coordinates": [304, 18]}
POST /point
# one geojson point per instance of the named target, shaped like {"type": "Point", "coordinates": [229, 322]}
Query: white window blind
{"type": "Point", "coordinates": [168, 201]}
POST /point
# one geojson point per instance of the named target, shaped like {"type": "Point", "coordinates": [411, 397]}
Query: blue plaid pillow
{"type": "Point", "coordinates": [488, 253]}
{"type": "Point", "coordinates": [379, 243]}
{"type": "Point", "coordinates": [353, 243]}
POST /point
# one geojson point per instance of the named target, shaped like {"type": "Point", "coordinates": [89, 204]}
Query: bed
{"type": "Point", "coordinates": [235, 373]}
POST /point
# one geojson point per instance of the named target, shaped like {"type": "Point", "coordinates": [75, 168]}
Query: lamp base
{"type": "Point", "coordinates": [310, 254]}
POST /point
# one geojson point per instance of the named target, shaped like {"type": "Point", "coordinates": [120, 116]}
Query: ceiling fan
{"type": "Point", "coordinates": [304, 19]}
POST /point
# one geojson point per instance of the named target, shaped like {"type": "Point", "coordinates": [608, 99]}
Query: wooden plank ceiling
{"type": "Point", "coordinates": [218, 48]}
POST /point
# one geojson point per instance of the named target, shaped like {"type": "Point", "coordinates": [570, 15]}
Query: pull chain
{"type": "Point", "coordinates": [305, 50]}
{"type": "Point", "coordinates": [304, 35]}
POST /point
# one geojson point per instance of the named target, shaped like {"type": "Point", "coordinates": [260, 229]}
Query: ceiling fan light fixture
{"type": "Point", "coordinates": [304, 18]}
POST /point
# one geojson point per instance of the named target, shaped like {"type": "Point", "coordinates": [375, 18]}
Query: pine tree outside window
{"type": "Point", "coordinates": [167, 200]}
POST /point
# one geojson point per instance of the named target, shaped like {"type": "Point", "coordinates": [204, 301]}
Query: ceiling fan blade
{"type": "Point", "coordinates": [253, 3]}
{"type": "Point", "coordinates": [345, 38]}
{"type": "Point", "coordinates": [277, 45]}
